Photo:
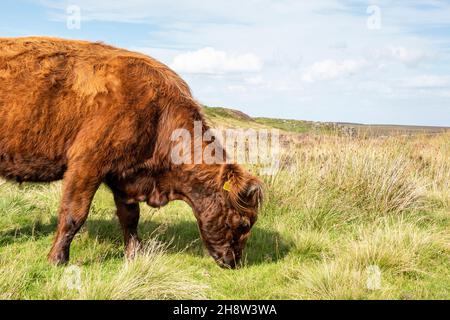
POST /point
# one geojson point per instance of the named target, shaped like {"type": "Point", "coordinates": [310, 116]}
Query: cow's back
{"type": "Point", "coordinates": [50, 89]}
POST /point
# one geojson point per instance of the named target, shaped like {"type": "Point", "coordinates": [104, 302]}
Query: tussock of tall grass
{"type": "Point", "coordinates": [338, 179]}
{"type": "Point", "coordinates": [312, 244]}
{"type": "Point", "coordinates": [397, 250]}
{"type": "Point", "coordinates": [400, 247]}
{"type": "Point", "coordinates": [328, 280]}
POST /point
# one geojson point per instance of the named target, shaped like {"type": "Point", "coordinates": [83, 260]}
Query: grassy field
{"type": "Point", "coordinates": [344, 218]}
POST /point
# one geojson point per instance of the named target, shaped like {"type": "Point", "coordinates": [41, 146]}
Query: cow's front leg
{"type": "Point", "coordinates": [128, 215]}
{"type": "Point", "coordinates": [79, 188]}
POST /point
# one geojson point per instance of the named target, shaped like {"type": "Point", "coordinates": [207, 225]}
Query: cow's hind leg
{"type": "Point", "coordinates": [79, 187]}
{"type": "Point", "coordinates": [128, 215]}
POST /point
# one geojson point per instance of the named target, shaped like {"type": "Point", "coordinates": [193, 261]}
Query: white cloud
{"type": "Point", "coordinates": [257, 80]}
{"type": "Point", "coordinates": [427, 82]}
{"type": "Point", "coordinates": [331, 69]}
{"type": "Point", "coordinates": [211, 61]}
{"type": "Point", "coordinates": [237, 89]}
{"type": "Point", "coordinates": [406, 55]}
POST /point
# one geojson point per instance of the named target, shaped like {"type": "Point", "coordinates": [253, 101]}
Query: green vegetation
{"type": "Point", "coordinates": [227, 118]}
{"type": "Point", "coordinates": [338, 208]}
{"type": "Point", "coordinates": [224, 117]}
{"type": "Point", "coordinates": [288, 125]}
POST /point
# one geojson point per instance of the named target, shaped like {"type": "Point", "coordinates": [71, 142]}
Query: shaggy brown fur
{"type": "Point", "coordinates": [91, 113]}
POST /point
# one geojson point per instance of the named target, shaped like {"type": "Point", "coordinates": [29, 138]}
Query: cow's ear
{"type": "Point", "coordinates": [252, 194]}
{"type": "Point", "coordinates": [244, 191]}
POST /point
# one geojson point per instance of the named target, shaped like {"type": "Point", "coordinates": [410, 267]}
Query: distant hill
{"type": "Point", "coordinates": [224, 117]}
{"type": "Point", "coordinates": [229, 118]}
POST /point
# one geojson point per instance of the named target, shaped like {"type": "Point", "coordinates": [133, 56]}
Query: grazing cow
{"type": "Point", "coordinates": [90, 113]}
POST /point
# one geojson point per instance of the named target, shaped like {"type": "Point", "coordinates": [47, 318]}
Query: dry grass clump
{"type": "Point", "coordinates": [334, 279]}
{"type": "Point", "coordinates": [398, 251]}
{"type": "Point", "coordinates": [400, 247]}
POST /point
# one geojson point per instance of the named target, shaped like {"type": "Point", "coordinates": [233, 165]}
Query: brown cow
{"type": "Point", "coordinates": [91, 113]}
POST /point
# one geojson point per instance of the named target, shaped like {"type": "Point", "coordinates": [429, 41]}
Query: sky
{"type": "Point", "coordinates": [375, 62]}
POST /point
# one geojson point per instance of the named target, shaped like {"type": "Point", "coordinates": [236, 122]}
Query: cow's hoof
{"type": "Point", "coordinates": [58, 258]}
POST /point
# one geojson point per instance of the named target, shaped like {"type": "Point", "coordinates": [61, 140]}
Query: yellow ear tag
{"type": "Point", "coordinates": [227, 185]}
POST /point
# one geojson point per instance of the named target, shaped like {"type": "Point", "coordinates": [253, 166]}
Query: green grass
{"type": "Point", "coordinates": [224, 117]}
{"type": "Point", "coordinates": [295, 126]}
{"type": "Point", "coordinates": [218, 117]}
{"type": "Point", "coordinates": [337, 208]}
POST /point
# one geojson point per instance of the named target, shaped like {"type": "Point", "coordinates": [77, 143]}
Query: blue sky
{"type": "Point", "coordinates": [353, 61]}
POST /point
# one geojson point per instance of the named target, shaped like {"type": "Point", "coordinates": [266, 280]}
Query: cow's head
{"type": "Point", "coordinates": [225, 200]}
{"type": "Point", "coordinates": [226, 206]}
{"type": "Point", "coordinates": [226, 234]}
